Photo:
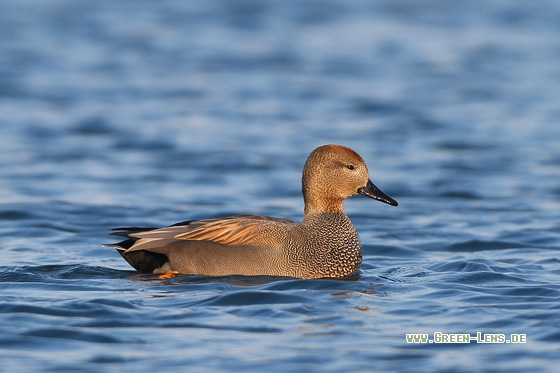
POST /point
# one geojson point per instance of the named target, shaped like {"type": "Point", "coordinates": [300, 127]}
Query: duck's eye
{"type": "Point", "coordinates": [350, 167]}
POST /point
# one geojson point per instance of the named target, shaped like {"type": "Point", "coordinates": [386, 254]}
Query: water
{"type": "Point", "coordinates": [148, 113]}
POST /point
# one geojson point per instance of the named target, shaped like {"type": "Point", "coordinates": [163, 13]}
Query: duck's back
{"type": "Point", "coordinates": [246, 244]}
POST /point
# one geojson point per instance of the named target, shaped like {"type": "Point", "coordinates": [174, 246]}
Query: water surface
{"type": "Point", "coordinates": [148, 113]}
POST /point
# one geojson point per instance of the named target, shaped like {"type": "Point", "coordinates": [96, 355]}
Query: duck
{"type": "Point", "coordinates": [324, 245]}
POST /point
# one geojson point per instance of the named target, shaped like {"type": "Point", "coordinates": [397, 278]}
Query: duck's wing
{"type": "Point", "coordinates": [230, 231]}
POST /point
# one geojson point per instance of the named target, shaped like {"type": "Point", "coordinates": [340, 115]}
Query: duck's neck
{"type": "Point", "coordinates": [323, 204]}
{"type": "Point", "coordinates": [322, 198]}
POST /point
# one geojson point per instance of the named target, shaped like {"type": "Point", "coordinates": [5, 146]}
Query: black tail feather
{"type": "Point", "coordinates": [142, 260]}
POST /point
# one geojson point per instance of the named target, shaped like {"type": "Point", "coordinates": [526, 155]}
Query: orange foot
{"type": "Point", "coordinates": [169, 274]}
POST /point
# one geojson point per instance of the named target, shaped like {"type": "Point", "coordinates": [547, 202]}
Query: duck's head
{"type": "Point", "coordinates": [333, 173]}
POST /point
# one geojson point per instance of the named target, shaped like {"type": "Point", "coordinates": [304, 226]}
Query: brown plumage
{"type": "Point", "coordinates": [324, 244]}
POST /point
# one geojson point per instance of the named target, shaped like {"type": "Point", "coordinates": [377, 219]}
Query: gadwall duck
{"type": "Point", "coordinates": [324, 244]}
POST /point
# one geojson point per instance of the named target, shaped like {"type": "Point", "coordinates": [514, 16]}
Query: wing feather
{"type": "Point", "coordinates": [235, 230]}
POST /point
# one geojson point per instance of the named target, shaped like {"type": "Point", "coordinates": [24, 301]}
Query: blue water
{"type": "Point", "coordinates": [147, 113]}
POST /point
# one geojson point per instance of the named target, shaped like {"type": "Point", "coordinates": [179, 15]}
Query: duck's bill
{"type": "Point", "coordinates": [371, 191]}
